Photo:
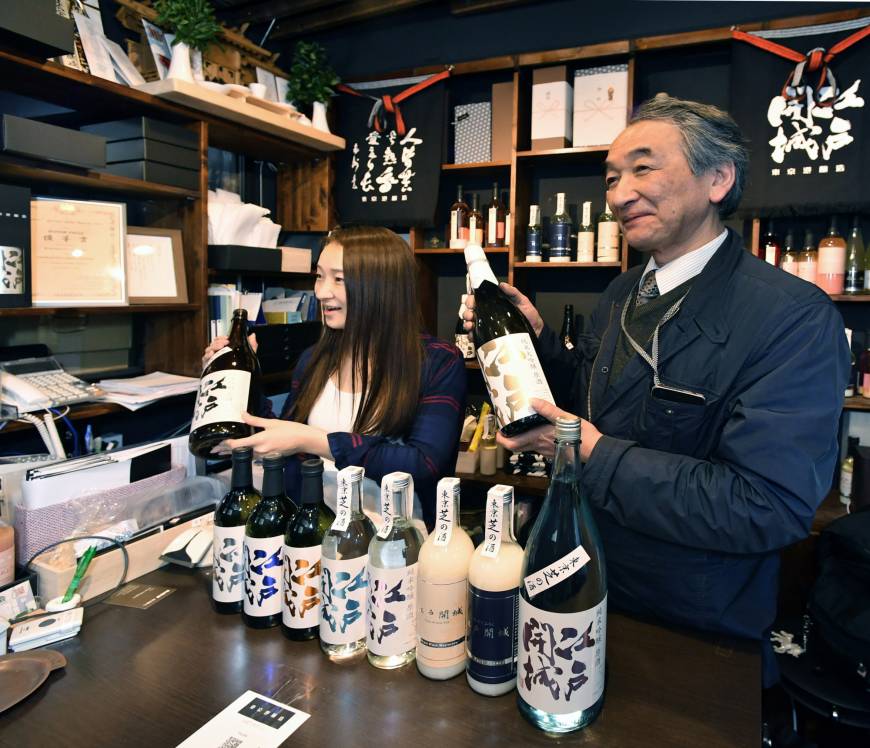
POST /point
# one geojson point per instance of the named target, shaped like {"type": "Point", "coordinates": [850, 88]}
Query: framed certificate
{"type": "Point", "coordinates": [155, 266]}
{"type": "Point", "coordinates": [77, 252]}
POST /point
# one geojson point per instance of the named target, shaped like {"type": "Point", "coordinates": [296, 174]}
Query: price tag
{"type": "Point", "coordinates": [444, 518]}
{"type": "Point", "coordinates": [551, 575]}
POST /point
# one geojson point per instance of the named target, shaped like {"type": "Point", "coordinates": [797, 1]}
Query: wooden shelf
{"type": "Point", "coordinates": [447, 251]}
{"type": "Point", "coordinates": [28, 174]}
{"type": "Point", "coordinates": [856, 403]}
{"type": "Point", "coordinates": [563, 265]}
{"type": "Point", "coordinates": [476, 166]}
{"type": "Point", "coordinates": [563, 152]}
{"type": "Point", "coordinates": [525, 483]}
{"type": "Point", "coordinates": [37, 311]}
{"type": "Point", "coordinates": [851, 297]}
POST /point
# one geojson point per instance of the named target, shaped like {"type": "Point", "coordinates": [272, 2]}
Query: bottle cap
{"type": "Point", "coordinates": [399, 481]}
{"type": "Point", "coordinates": [352, 473]}
{"type": "Point", "coordinates": [241, 454]}
{"type": "Point", "coordinates": [240, 313]}
{"type": "Point", "coordinates": [568, 428]}
{"type": "Point", "coordinates": [273, 459]}
{"type": "Point", "coordinates": [312, 467]}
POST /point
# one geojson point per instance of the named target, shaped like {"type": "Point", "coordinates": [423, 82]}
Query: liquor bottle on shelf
{"type": "Point", "coordinates": [505, 345]}
{"type": "Point", "coordinates": [808, 259]}
{"type": "Point", "coordinates": [855, 260]}
{"type": "Point", "coordinates": [228, 578]}
{"type": "Point", "coordinates": [563, 598]}
{"type": "Point", "coordinates": [863, 379]}
{"type": "Point", "coordinates": [847, 470]}
{"type": "Point", "coordinates": [392, 573]}
{"type": "Point", "coordinates": [493, 598]}
{"type": "Point", "coordinates": [459, 221]}
{"type": "Point", "coordinates": [533, 235]}
{"type": "Point", "coordinates": [831, 273]}
{"type": "Point", "coordinates": [343, 582]}
{"type": "Point", "coordinates": [560, 232]}
{"type": "Point", "coordinates": [850, 385]}
{"type": "Point", "coordinates": [495, 216]}
{"type": "Point", "coordinates": [475, 222]}
{"type": "Point", "coordinates": [264, 540]}
{"type": "Point", "coordinates": [790, 255]}
{"type": "Point", "coordinates": [586, 235]}
{"type": "Point", "coordinates": [568, 336]}
{"type": "Point", "coordinates": [607, 247]}
{"type": "Point", "coordinates": [300, 611]}
{"type": "Point", "coordinates": [488, 446]}
{"type": "Point", "coordinates": [770, 249]}
{"type": "Point", "coordinates": [229, 385]}
{"type": "Point", "coordinates": [508, 219]}
{"type": "Point", "coordinates": [442, 589]}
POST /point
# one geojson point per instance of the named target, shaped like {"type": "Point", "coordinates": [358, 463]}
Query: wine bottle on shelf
{"type": "Point", "coordinates": [442, 589]}
{"type": "Point", "coordinates": [563, 601]}
{"type": "Point", "coordinates": [560, 232]}
{"type": "Point", "coordinates": [505, 345]}
{"type": "Point", "coordinates": [586, 235]}
{"type": "Point", "coordinates": [808, 259]}
{"type": "Point", "coordinates": [392, 572]}
{"type": "Point", "coordinates": [475, 222]}
{"type": "Point", "coordinates": [508, 219]}
{"type": "Point", "coordinates": [533, 235]}
{"type": "Point", "coordinates": [343, 582]}
{"type": "Point", "coordinates": [230, 384]}
{"type": "Point", "coordinates": [863, 378]}
{"type": "Point", "coordinates": [493, 599]}
{"type": "Point", "coordinates": [264, 540]}
{"type": "Point", "coordinates": [855, 259]}
{"type": "Point", "coordinates": [300, 611]}
{"type": "Point", "coordinates": [850, 385]}
{"type": "Point", "coordinates": [459, 212]}
{"type": "Point", "coordinates": [790, 255]}
{"type": "Point", "coordinates": [495, 229]}
{"type": "Point", "coordinates": [488, 446]}
{"type": "Point", "coordinates": [228, 577]}
{"type": "Point", "coordinates": [607, 247]}
{"type": "Point", "coordinates": [770, 249]}
{"type": "Point", "coordinates": [847, 470]}
{"type": "Point", "coordinates": [832, 261]}
{"type": "Point", "coordinates": [568, 336]}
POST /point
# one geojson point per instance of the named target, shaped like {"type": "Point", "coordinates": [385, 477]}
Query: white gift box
{"type": "Point", "coordinates": [600, 104]}
{"type": "Point", "coordinates": [551, 108]}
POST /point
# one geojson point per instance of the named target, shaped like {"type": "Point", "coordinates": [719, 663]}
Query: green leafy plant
{"type": "Point", "coordinates": [192, 21]}
{"type": "Point", "coordinates": [311, 77]}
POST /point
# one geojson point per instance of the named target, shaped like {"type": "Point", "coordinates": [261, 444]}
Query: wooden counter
{"type": "Point", "coordinates": [153, 677]}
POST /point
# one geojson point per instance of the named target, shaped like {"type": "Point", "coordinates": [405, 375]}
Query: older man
{"type": "Point", "coordinates": [710, 384]}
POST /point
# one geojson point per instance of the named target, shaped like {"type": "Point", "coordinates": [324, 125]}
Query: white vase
{"type": "Point", "coordinates": [179, 67]}
{"type": "Point", "coordinates": [318, 118]}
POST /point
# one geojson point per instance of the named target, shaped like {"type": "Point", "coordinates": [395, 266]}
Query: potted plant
{"type": "Point", "coordinates": [194, 26]}
{"type": "Point", "coordinates": [311, 82]}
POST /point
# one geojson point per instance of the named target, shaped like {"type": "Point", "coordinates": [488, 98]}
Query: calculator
{"type": "Point", "coordinates": [38, 383]}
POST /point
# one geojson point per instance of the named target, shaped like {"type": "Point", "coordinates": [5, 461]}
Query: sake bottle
{"type": "Point", "coordinates": [392, 572]}
{"type": "Point", "coordinates": [563, 601]}
{"type": "Point", "coordinates": [442, 589]}
{"type": "Point", "coordinates": [264, 539]}
{"type": "Point", "coordinates": [228, 567]}
{"type": "Point", "coordinates": [300, 609]}
{"type": "Point", "coordinates": [493, 599]}
{"type": "Point", "coordinates": [343, 582]}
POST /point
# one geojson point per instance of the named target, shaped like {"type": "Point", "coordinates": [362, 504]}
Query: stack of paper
{"type": "Point", "coordinates": [137, 392]}
{"type": "Point", "coordinates": [223, 301]}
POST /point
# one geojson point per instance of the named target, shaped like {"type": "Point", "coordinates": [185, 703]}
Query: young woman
{"type": "Point", "coordinates": [372, 391]}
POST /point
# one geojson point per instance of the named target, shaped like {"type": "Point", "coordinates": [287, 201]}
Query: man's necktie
{"type": "Point", "coordinates": [648, 290]}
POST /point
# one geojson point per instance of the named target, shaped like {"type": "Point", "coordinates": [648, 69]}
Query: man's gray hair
{"type": "Point", "coordinates": [710, 136]}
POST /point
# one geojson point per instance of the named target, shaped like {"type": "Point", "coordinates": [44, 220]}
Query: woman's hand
{"type": "Point", "coordinates": [517, 298]}
{"type": "Point", "coordinates": [541, 439]}
{"type": "Point", "coordinates": [286, 437]}
{"type": "Point", "coordinates": [221, 342]}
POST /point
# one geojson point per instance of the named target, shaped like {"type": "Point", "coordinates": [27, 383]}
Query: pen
{"type": "Point", "coordinates": [82, 567]}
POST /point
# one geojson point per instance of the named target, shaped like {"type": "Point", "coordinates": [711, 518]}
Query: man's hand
{"type": "Point", "coordinates": [541, 439]}
{"type": "Point", "coordinates": [286, 437]}
{"type": "Point", "coordinates": [221, 342]}
{"type": "Point", "coordinates": [517, 298]}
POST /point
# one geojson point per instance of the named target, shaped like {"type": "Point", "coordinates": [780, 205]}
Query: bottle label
{"type": "Point", "coordinates": [474, 232]}
{"type": "Point", "coordinates": [561, 658]}
{"type": "Point", "coordinates": [263, 576]}
{"type": "Point", "coordinates": [441, 620]}
{"type": "Point", "coordinates": [492, 634]}
{"type": "Point", "coordinates": [560, 242]}
{"type": "Point", "coordinates": [608, 241]}
{"type": "Point", "coordinates": [464, 344]}
{"type": "Point", "coordinates": [513, 375]}
{"type": "Point", "coordinates": [223, 395]}
{"type": "Point", "coordinates": [790, 266]}
{"type": "Point", "coordinates": [228, 575]}
{"type": "Point", "coordinates": [387, 510]}
{"type": "Point", "coordinates": [392, 610]}
{"type": "Point", "coordinates": [846, 483]}
{"type": "Point", "coordinates": [586, 246]}
{"type": "Point", "coordinates": [342, 502]}
{"type": "Point", "coordinates": [343, 587]}
{"type": "Point", "coordinates": [492, 226]}
{"type": "Point", "coordinates": [551, 575]}
{"type": "Point", "coordinates": [300, 608]}
{"type": "Point", "coordinates": [808, 270]}
{"type": "Point", "coordinates": [454, 225]}
{"type": "Point", "coordinates": [533, 245]}
{"type": "Point", "coordinates": [492, 531]}
{"type": "Point", "coordinates": [444, 512]}
{"type": "Point", "coordinates": [867, 280]}
{"type": "Point", "coordinates": [216, 355]}
{"type": "Point", "coordinates": [770, 254]}
{"type": "Point", "coordinates": [854, 280]}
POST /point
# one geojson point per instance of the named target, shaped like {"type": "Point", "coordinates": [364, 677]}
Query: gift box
{"type": "Point", "coordinates": [600, 104]}
{"type": "Point", "coordinates": [551, 108]}
{"type": "Point", "coordinates": [472, 141]}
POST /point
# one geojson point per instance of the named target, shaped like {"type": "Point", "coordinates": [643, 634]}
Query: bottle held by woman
{"type": "Point", "coordinates": [300, 609]}
{"type": "Point", "coordinates": [442, 589]}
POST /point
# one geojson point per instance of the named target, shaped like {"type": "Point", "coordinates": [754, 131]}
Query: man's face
{"type": "Point", "coordinates": [661, 206]}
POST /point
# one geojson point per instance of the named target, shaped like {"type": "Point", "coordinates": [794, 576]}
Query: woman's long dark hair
{"type": "Point", "coordinates": [381, 335]}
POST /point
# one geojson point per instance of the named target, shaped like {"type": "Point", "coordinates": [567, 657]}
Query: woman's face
{"type": "Point", "coordinates": [329, 286]}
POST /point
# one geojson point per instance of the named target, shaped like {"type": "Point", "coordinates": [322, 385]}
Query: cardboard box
{"type": "Point", "coordinates": [295, 260]}
{"type": "Point", "coordinates": [600, 104]}
{"type": "Point", "coordinates": [145, 149]}
{"type": "Point", "coordinates": [551, 108]}
{"type": "Point", "coordinates": [467, 462]}
{"type": "Point", "coordinates": [27, 137]}
{"type": "Point", "coordinates": [502, 120]}
{"type": "Point", "coordinates": [472, 137]}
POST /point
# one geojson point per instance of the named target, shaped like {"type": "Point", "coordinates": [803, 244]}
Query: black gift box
{"type": "Point", "coordinates": [152, 171]}
{"type": "Point", "coordinates": [27, 137]}
{"type": "Point", "coordinates": [147, 128]}
{"type": "Point", "coordinates": [14, 246]}
{"type": "Point", "coordinates": [143, 149]}
{"type": "Point", "coordinates": [238, 257]}
{"type": "Point", "coordinates": [33, 27]}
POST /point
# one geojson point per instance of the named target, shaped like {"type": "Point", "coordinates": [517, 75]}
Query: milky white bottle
{"type": "Point", "coordinates": [442, 589]}
{"type": "Point", "coordinates": [493, 591]}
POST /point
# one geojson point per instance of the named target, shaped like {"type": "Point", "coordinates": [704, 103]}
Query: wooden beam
{"type": "Point", "coordinates": [258, 12]}
{"type": "Point", "coordinates": [348, 12]}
